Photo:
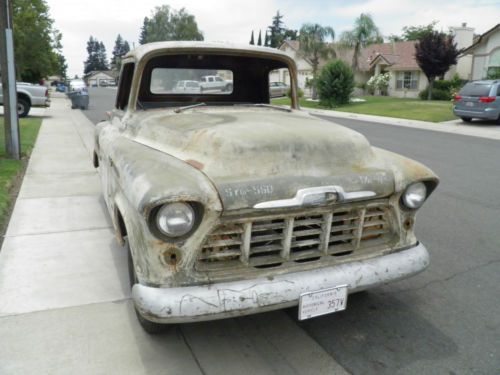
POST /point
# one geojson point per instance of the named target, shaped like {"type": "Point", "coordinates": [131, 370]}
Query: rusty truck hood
{"type": "Point", "coordinates": [255, 155]}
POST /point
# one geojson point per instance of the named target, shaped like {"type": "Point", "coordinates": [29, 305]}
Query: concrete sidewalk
{"type": "Point", "coordinates": [475, 129]}
{"type": "Point", "coordinates": [64, 290]}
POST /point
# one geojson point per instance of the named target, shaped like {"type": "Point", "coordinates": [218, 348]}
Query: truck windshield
{"type": "Point", "coordinates": [191, 81]}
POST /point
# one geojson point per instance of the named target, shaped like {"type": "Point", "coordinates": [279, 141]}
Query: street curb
{"type": "Point", "coordinates": [467, 130]}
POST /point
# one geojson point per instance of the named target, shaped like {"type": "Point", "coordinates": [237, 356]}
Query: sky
{"type": "Point", "coordinates": [234, 20]}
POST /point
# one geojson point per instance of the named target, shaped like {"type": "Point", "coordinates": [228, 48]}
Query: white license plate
{"type": "Point", "coordinates": [322, 302]}
{"type": "Point", "coordinates": [469, 104]}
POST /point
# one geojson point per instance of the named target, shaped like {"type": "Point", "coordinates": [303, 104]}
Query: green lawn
{"type": "Point", "coordinates": [413, 109]}
{"type": "Point", "coordinates": [9, 169]}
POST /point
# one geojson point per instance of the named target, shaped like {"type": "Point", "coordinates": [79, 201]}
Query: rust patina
{"type": "Point", "coordinates": [229, 159]}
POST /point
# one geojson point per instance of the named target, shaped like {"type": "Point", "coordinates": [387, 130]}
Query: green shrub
{"type": "Point", "coordinates": [335, 83]}
{"type": "Point", "coordinates": [300, 93]}
{"type": "Point", "coordinates": [437, 94]}
{"type": "Point", "coordinates": [442, 84]}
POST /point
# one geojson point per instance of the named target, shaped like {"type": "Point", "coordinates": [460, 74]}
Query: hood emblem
{"type": "Point", "coordinates": [317, 196]}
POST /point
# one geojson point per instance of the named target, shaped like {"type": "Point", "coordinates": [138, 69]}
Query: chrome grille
{"type": "Point", "coordinates": [304, 237]}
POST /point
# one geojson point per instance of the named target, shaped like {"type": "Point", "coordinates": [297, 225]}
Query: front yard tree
{"type": "Point", "coordinates": [252, 42]}
{"type": "Point", "coordinates": [314, 47]}
{"type": "Point", "coordinates": [96, 59]}
{"type": "Point", "coordinates": [435, 53]}
{"type": "Point", "coordinates": [120, 49]}
{"type": "Point", "coordinates": [166, 23]}
{"type": "Point", "coordinates": [37, 46]}
{"type": "Point", "coordinates": [365, 32]}
{"type": "Point", "coordinates": [259, 39]}
{"type": "Point", "coordinates": [335, 84]}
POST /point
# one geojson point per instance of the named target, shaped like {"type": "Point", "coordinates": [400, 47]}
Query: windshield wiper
{"type": "Point", "coordinates": [181, 109]}
{"type": "Point", "coordinates": [265, 105]}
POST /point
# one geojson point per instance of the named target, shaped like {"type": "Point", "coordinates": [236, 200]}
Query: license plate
{"type": "Point", "coordinates": [469, 104]}
{"type": "Point", "coordinates": [322, 302]}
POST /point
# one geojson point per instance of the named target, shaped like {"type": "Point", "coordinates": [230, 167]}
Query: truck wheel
{"type": "Point", "coordinates": [466, 119]}
{"type": "Point", "coordinates": [23, 107]}
{"type": "Point", "coordinates": [150, 327]}
{"type": "Point", "coordinates": [228, 88]}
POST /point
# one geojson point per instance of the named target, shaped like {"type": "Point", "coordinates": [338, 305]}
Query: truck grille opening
{"type": "Point", "coordinates": [274, 241]}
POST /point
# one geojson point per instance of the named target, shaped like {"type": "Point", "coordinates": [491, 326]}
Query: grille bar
{"type": "Point", "coordinates": [305, 237]}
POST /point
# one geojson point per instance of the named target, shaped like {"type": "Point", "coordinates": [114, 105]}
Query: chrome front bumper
{"type": "Point", "coordinates": [244, 297]}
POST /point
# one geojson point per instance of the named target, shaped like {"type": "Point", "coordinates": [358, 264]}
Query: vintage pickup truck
{"type": "Point", "coordinates": [29, 95]}
{"type": "Point", "coordinates": [228, 205]}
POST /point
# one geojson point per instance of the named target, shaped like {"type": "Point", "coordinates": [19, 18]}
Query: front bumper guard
{"type": "Point", "coordinates": [244, 297]}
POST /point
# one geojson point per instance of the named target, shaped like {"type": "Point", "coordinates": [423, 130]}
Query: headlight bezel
{"type": "Point", "coordinates": [197, 209]}
{"type": "Point", "coordinates": [404, 202]}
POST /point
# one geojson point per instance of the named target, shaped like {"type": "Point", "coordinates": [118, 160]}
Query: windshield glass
{"type": "Point", "coordinates": [191, 81]}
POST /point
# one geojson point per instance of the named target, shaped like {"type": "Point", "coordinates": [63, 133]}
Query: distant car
{"type": "Point", "coordinates": [191, 87]}
{"type": "Point", "coordinates": [478, 99]}
{"type": "Point", "coordinates": [77, 85]}
{"type": "Point", "coordinates": [278, 89]}
{"type": "Point", "coordinates": [29, 95]}
{"type": "Point", "coordinates": [61, 87]}
{"type": "Point", "coordinates": [215, 83]}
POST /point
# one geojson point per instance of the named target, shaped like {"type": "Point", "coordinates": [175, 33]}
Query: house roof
{"type": "Point", "coordinates": [397, 55]}
{"type": "Point", "coordinates": [479, 40]}
{"type": "Point", "coordinates": [110, 73]}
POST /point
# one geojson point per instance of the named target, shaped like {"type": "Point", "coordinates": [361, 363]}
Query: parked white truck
{"type": "Point", "coordinates": [215, 83]}
{"type": "Point", "coordinates": [29, 95]}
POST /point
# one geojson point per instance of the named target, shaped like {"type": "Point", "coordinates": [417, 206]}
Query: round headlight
{"type": "Point", "coordinates": [414, 195]}
{"type": "Point", "coordinates": [175, 219]}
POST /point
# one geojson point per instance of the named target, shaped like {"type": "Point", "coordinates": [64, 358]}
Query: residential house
{"type": "Point", "coordinates": [485, 54]}
{"type": "Point", "coordinates": [398, 58]}
{"type": "Point", "coordinates": [101, 77]}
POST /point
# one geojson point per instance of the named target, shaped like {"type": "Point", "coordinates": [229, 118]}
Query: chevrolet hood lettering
{"type": "Point", "coordinates": [316, 196]}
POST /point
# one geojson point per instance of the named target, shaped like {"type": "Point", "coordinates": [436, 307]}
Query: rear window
{"type": "Point", "coordinates": [164, 81]}
{"type": "Point", "coordinates": [476, 89]}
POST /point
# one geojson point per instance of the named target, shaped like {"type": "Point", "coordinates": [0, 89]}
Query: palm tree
{"type": "Point", "coordinates": [313, 46]}
{"type": "Point", "coordinates": [365, 32]}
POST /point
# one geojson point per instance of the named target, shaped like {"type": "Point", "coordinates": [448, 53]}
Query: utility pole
{"type": "Point", "coordinates": [7, 69]}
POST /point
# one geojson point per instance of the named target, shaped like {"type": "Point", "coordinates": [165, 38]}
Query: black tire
{"type": "Point", "coordinates": [228, 88]}
{"type": "Point", "coordinates": [150, 327]}
{"type": "Point", "coordinates": [498, 120]}
{"type": "Point", "coordinates": [23, 107]}
{"type": "Point", "coordinates": [466, 119]}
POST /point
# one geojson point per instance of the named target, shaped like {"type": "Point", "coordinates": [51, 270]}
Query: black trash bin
{"type": "Point", "coordinates": [79, 99]}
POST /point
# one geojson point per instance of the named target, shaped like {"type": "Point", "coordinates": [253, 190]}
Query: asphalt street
{"type": "Point", "coordinates": [445, 320]}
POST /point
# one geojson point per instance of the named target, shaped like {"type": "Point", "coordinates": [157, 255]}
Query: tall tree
{"type": "Point", "coordinates": [166, 23]}
{"type": "Point", "coordinates": [251, 39]}
{"type": "Point", "coordinates": [96, 59]}
{"type": "Point", "coordinates": [314, 47]}
{"type": "Point", "coordinates": [143, 36]}
{"type": "Point", "coordinates": [435, 53]}
{"type": "Point", "coordinates": [120, 49]}
{"type": "Point", "coordinates": [418, 32]}
{"type": "Point", "coordinates": [365, 32]}
{"type": "Point", "coordinates": [276, 31]}
{"type": "Point", "coordinates": [291, 34]}
{"type": "Point", "coordinates": [34, 50]}
{"type": "Point", "coordinates": [259, 40]}
{"type": "Point", "coordinates": [266, 39]}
